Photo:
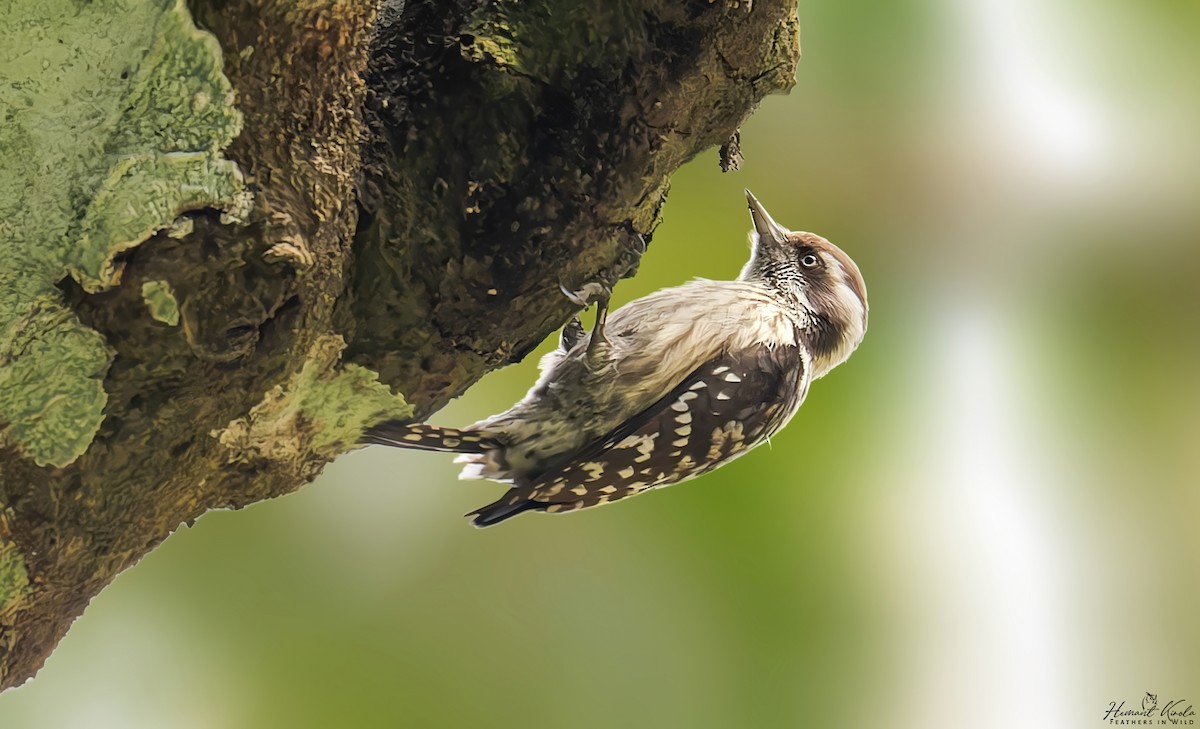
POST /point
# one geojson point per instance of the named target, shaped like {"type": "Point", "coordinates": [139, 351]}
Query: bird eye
{"type": "Point", "coordinates": [809, 261]}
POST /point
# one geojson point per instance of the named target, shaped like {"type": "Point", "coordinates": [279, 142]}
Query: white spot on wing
{"type": "Point", "coordinates": [728, 438]}
{"type": "Point", "coordinates": [643, 443]}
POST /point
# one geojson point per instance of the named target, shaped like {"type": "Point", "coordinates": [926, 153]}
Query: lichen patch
{"type": "Point", "coordinates": [104, 142]}
{"type": "Point", "coordinates": [160, 301]}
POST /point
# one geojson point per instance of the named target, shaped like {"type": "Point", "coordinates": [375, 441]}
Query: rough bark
{"type": "Point", "coordinates": [413, 182]}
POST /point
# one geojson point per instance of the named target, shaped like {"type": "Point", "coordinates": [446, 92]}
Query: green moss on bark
{"type": "Point", "coordinates": [554, 41]}
{"type": "Point", "coordinates": [113, 118]}
{"type": "Point", "coordinates": [323, 409]}
{"type": "Point", "coordinates": [14, 578]}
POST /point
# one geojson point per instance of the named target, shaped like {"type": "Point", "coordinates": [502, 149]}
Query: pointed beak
{"type": "Point", "coordinates": [763, 224]}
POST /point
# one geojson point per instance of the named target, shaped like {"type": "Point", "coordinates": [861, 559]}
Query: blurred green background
{"type": "Point", "coordinates": [988, 517]}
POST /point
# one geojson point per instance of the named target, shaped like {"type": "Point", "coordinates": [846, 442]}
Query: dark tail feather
{"type": "Point", "coordinates": [506, 508]}
{"type": "Point", "coordinates": [425, 437]}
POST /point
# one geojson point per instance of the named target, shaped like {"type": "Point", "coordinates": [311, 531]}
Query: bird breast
{"type": "Point", "coordinates": [667, 334]}
{"type": "Point", "coordinates": [657, 341]}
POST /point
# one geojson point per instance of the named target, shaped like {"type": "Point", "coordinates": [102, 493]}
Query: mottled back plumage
{"type": "Point", "coordinates": [668, 387]}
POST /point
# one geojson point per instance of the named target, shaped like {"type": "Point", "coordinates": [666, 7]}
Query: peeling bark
{"type": "Point", "coordinates": [422, 177]}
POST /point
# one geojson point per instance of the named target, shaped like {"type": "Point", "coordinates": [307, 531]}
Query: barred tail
{"type": "Point", "coordinates": [506, 508]}
{"type": "Point", "coordinates": [425, 437]}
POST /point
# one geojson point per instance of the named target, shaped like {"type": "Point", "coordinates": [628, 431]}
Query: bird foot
{"type": "Point", "coordinates": [598, 349]}
{"type": "Point", "coordinates": [572, 334]}
{"type": "Point", "coordinates": [593, 292]}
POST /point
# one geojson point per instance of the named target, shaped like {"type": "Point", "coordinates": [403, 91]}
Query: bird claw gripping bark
{"type": "Point", "coordinates": [599, 350]}
{"type": "Point", "coordinates": [592, 292]}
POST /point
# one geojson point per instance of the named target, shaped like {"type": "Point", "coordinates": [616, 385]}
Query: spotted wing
{"type": "Point", "coordinates": [718, 412]}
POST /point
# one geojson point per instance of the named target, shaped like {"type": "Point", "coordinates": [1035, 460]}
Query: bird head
{"type": "Point", "coordinates": [815, 277]}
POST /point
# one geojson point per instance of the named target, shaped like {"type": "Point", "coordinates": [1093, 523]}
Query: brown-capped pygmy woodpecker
{"type": "Point", "coordinates": [667, 387]}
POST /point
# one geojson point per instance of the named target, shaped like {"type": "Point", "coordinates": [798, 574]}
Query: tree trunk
{"type": "Point", "coordinates": [228, 250]}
